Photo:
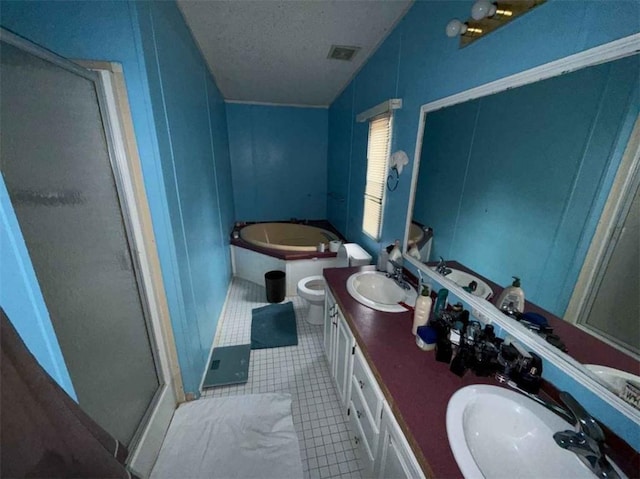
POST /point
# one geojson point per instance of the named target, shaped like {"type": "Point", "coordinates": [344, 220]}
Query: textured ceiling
{"type": "Point", "coordinates": [276, 51]}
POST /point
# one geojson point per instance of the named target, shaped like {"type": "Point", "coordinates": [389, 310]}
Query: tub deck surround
{"type": "Point", "coordinates": [415, 385]}
{"type": "Point", "coordinates": [251, 261]}
{"type": "Point", "coordinates": [582, 346]}
{"type": "Point", "coordinates": [281, 254]}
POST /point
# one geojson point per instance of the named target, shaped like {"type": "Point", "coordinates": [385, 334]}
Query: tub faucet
{"type": "Point", "coordinates": [441, 268]}
{"type": "Point", "coordinates": [587, 441]}
{"type": "Point", "coordinates": [397, 275]}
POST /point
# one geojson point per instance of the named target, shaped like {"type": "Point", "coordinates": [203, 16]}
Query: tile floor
{"type": "Point", "coordinates": [300, 370]}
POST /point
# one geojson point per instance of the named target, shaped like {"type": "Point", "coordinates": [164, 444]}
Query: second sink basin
{"type": "Point", "coordinates": [463, 279]}
{"type": "Point", "coordinates": [495, 432]}
{"type": "Point", "coordinates": [376, 290]}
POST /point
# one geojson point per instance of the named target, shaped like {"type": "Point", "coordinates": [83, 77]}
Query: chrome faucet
{"type": "Point", "coordinates": [397, 275]}
{"type": "Point", "coordinates": [441, 268]}
{"type": "Point", "coordinates": [587, 441]}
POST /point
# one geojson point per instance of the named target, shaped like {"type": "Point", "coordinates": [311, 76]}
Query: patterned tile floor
{"type": "Point", "coordinates": [300, 370]}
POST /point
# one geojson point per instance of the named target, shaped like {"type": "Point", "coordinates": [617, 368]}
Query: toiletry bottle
{"type": "Point", "coordinates": [422, 311]}
{"type": "Point", "coordinates": [395, 255]}
{"type": "Point", "coordinates": [512, 297]}
{"type": "Point", "coordinates": [441, 301]}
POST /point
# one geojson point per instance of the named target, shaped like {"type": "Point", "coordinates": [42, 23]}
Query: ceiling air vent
{"type": "Point", "coordinates": [342, 52]}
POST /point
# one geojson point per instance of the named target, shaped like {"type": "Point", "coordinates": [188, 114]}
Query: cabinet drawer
{"type": "Point", "coordinates": [360, 442]}
{"type": "Point", "coordinates": [367, 386]}
{"type": "Point", "coordinates": [363, 416]}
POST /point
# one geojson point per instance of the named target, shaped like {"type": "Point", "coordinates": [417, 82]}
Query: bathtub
{"type": "Point", "coordinates": [288, 247]}
{"type": "Point", "coordinates": [286, 236]}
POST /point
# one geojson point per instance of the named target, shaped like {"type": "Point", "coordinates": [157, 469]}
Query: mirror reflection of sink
{"type": "Point", "coordinates": [376, 290]}
{"type": "Point", "coordinates": [463, 279]}
{"type": "Point", "coordinates": [496, 432]}
{"type": "Point", "coordinates": [614, 379]}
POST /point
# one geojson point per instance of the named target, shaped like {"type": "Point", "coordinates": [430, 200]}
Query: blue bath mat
{"type": "Point", "coordinates": [229, 365]}
{"type": "Point", "coordinates": [273, 326]}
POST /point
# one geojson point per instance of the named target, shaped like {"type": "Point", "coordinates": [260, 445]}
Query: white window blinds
{"type": "Point", "coordinates": [377, 161]}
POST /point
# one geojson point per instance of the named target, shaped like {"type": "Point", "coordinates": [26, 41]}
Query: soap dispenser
{"type": "Point", "coordinates": [512, 298]}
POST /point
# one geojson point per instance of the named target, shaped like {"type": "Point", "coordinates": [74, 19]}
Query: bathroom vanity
{"type": "Point", "coordinates": [394, 395]}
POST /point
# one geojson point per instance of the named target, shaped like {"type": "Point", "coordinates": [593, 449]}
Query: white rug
{"type": "Point", "coordinates": [231, 437]}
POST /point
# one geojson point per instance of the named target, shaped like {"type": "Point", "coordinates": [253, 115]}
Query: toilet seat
{"type": "Point", "coordinates": [312, 286]}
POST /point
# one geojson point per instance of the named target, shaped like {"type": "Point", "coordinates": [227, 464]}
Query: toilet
{"type": "Point", "coordinates": [311, 288]}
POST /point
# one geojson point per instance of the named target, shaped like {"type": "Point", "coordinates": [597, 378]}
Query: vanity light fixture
{"type": "Point", "coordinates": [455, 27]}
{"type": "Point", "coordinates": [486, 9]}
{"type": "Point", "coordinates": [487, 16]}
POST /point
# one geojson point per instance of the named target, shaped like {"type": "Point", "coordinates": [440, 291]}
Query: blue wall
{"type": "Point", "coordinates": [178, 174]}
{"type": "Point", "coordinates": [522, 169]}
{"type": "Point", "coordinates": [419, 64]}
{"type": "Point", "coordinates": [22, 300]}
{"type": "Point", "coordinates": [279, 161]}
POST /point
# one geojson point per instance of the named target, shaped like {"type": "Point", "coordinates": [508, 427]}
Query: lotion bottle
{"type": "Point", "coordinates": [512, 298]}
{"type": "Point", "coordinates": [422, 310]}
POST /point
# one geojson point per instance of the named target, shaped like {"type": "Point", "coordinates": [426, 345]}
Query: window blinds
{"type": "Point", "coordinates": [377, 159]}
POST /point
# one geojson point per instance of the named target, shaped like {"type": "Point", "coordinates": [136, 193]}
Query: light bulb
{"type": "Point", "coordinates": [482, 9]}
{"type": "Point", "coordinates": [455, 27]}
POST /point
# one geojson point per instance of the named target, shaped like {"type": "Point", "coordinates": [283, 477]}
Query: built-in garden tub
{"type": "Point", "coordinates": [290, 247]}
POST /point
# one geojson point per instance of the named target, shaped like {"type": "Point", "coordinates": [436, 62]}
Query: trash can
{"type": "Point", "coordinates": [275, 283]}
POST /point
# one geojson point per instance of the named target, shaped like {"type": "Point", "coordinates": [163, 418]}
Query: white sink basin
{"type": "Point", "coordinates": [495, 432]}
{"type": "Point", "coordinates": [463, 279]}
{"type": "Point", "coordinates": [376, 290]}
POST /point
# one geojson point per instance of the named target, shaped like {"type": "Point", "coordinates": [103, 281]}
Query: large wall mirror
{"type": "Point", "coordinates": [514, 183]}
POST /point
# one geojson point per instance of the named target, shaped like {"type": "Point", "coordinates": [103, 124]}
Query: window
{"type": "Point", "coordinates": [377, 163]}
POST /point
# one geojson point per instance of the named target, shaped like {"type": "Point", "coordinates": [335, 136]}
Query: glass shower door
{"type": "Point", "coordinates": [55, 160]}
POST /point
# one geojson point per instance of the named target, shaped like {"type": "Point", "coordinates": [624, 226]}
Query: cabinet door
{"type": "Point", "coordinates": [330, 323]}
{"type": "Point", "coordinates": [392, 465]}
{"type": "Point", "coordinates": [395, 459]}
{"type": "Point", "coordinates": [343, 358]}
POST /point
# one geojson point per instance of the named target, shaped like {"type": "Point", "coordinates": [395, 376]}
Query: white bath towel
{"type": "Point", "coordinates": [232, 437]}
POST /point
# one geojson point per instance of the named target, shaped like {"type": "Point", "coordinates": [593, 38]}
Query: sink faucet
{"type": "Point", "coordinates": [442, 267]}
{"type": "Point", "coordinates": [397, 275]}
{"type": "Point", "coordinates": [587, 441]}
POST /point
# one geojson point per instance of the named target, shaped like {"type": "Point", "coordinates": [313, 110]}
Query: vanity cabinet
{"type": "Point", "coordinates": [339, 347]}
{"type": "Point", "coordinates": [394, 456]}
{"type": "Point", "coordinates": [384, 451]}
{"type": "Point", "coordinates": [364, 411]}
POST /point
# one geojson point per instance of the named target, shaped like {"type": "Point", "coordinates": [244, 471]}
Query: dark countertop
{"type": "Point", "coordinates": [415, 385]}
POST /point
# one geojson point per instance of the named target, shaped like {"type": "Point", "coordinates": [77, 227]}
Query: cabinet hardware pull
{"type": "Point", "coordinates": [361, 383]}
{"type": "Point", "coordinates": [359, 414]}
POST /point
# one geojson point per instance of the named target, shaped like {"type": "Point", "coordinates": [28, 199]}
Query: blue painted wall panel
{"type": "Point", "coordinates": [431, 66]}
{"type": "Point", "coordinates": [190, 121]}
{"type": "Point", "coordinates": [278, 161]}
{"type": "Point", "coordinates": [339, 160]}
{"type": "Point", "coordinates": [22, 300]}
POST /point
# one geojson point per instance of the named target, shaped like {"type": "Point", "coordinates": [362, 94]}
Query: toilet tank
{"type": "Point", "coordinates": [352, 254]}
